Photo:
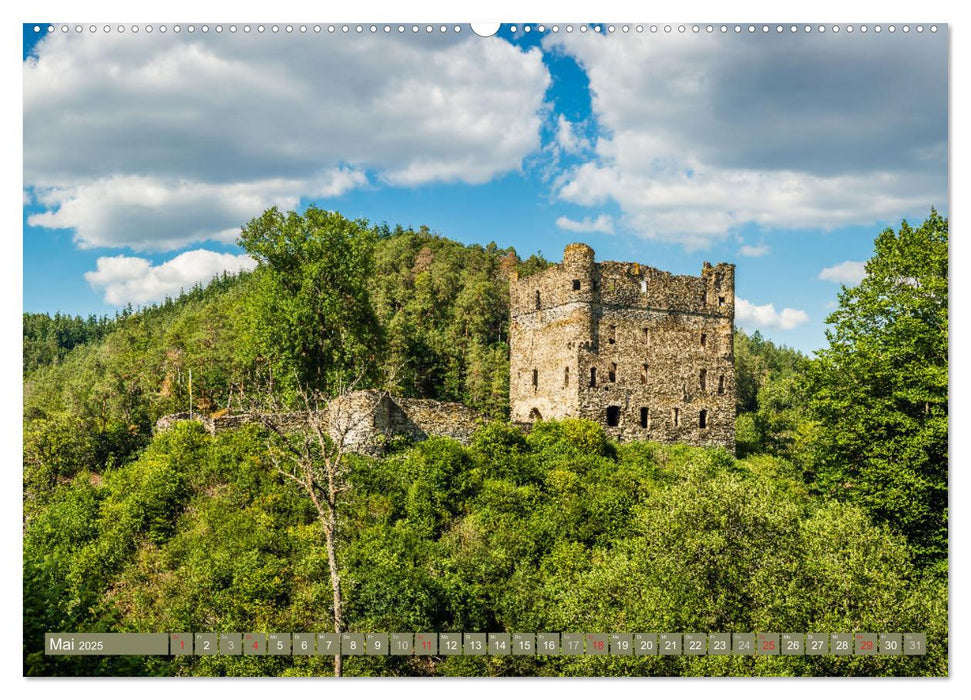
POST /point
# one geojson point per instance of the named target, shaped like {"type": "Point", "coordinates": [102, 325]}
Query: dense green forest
{"type": "Point", "coordinates": [832, 516]}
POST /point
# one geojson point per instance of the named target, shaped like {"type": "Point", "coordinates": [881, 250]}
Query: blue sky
{"type": "Point", "coordinates": [784, 153]}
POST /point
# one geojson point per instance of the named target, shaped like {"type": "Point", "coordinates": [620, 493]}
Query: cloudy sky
{"type": "Point", "coordinates": [785, 153]}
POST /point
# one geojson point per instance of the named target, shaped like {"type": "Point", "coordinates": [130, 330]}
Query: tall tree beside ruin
{"type": "Point", "coordinates": [314, 331]}
{"type": "Point", "coordinates": [311, 323]}
{"type": "Point", "coordinates": [879, 391]}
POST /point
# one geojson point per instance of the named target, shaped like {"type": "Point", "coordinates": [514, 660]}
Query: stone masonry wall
{"type": "Point", "coordinates": [364, 420]}
{"type": "Point", "coordinates": [646, 353]}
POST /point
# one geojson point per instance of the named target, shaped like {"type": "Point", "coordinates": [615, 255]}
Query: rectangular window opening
{"type": "Point", "coordinates": [537, 300]}
{"type": "Point", "coordinates": [612, 335]}
{"type": "Point", "coordinates": [721, 301]}
{"type": "Point", "coordinates": [593, 376]}
{"type": "Point", "coordinates": [645, 418]}
{"type": "Point", "coordinates": [535, 378]}
{"type": "Point", "coordinates": [702, 379]}
{"type": "Point", "coordinates": [612, 374]}
{"type": "Point", "coordinates": [644, 369]}
{"type": "Point", "coordinates": [566, 377]}
{"type": "Point", "coordinates": [702, 418]}
{"type": "Point", "coordinates": [721, 383]}
{"type": "Point", "coordinates": [704, 340]}
{"type": "Point", "coordinates": [676, 416]}
{"type": "Point", "coordinates": [613, 416]}
{"type": "Point", "coordinates": [576, 285]}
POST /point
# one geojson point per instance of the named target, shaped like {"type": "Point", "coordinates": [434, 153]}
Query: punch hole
{"type": "Point", "coordinates": [485, 29]}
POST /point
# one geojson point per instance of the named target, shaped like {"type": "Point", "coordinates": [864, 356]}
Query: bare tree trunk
{"type": "Point", "coordinates": [335, 583]}
{"type": "Point", "coordinates": [315, 461]}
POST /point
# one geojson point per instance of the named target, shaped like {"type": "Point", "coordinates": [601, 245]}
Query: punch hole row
{"type": "Point", "coordinates": [526, 29]}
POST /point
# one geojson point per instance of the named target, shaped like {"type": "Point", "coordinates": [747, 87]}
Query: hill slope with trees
{"type": "Point", "coordinates": [832, 517]}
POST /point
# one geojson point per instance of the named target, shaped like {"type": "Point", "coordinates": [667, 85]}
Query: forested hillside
{"type": "Point", "coordinates": [832, 517]}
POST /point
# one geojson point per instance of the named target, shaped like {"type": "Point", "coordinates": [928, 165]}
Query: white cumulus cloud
{"type": "Point", "coordinates": [847, 272]}
{"type": "Point", "coordinates": [157, 141]}
{"type": "Point", "coordinates": [602, 224]}
{"type": "Point", "coordinates": [698, 138]}
{"type": "Point", "coordinates": [765, 316]}
{"type": "Point", "coordinates": [753, 251]}
{"type": "Point", "coordinates": [567, 138]}
{"type": "Point", "coordinates": [125, 279]}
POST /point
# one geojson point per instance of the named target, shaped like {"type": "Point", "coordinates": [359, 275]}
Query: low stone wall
{"type": "Point", "coordinates": [364, 420]}
{"type": "Point", "coordinates": [420, 418]}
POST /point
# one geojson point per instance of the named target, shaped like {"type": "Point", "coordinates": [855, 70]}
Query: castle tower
{"type": "Point", "coordinates": [648, 354]}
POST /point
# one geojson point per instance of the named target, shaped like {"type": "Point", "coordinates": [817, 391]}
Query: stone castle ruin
{"type": "Point", "coordinates": [647, 354]}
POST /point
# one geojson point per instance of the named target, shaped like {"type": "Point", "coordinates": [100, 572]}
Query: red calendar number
{"type": "Point", "coordinates": [768, 645]}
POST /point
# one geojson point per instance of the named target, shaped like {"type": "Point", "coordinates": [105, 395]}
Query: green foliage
{"type": "Point", "coordinates": [48, 339]}
{"type": "Point", "coordinates": [446, 310]}
{"type": "Point", "coordinates": [880, 390]}
{"type": "Point", "coordinates": [561, 529]}
{"type": "Point", "coordinates": [310, 318]}
{"type": "Point", "coordinates": [771, 398]}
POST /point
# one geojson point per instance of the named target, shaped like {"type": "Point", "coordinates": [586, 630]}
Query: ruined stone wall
{"type": "Point", "coordinates": [421, 418]}
{"type": "Point", "coordinates": [648, 354]}
{"type": "Point", "coordinates": [362, 420]}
